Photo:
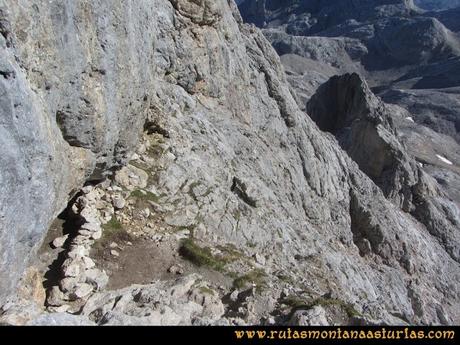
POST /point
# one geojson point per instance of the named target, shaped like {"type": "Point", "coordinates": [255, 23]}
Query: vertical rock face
{"type": "Point", "coordinates": [75, 83]}
{"type": "Point", "coordinates": [246, 166]}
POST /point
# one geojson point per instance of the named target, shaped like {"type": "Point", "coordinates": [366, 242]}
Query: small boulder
{"type": "Point", "coordinates": [59, 241]}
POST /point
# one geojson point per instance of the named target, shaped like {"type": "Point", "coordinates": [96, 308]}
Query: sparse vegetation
{"type": "Point", "coordinates": [302, 303]}
{"type": "Point", "coordinates": [112, 226]}
{"type": "Point", "coordinates": [256, 277]}
{"type": "Point", "coordinates": [145, 195]}
{"type": "Point", "coordinates": [113, 231]}
{"type": "Point", "coordinates": [207, 291]}
{"type": "Point", "coordinates": [231, 252]}
{"type": "Point", "coordinates": [201, 256]}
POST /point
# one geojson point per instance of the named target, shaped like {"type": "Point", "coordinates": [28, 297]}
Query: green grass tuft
{"type": "Point", "coordinates": [148, 196]}
{"type": "Point", "coordinates": [298, 303]}
{"type": "Point", "coordinates": [201, 256]}
{"type": "Point", "coordinates": [256, 276]}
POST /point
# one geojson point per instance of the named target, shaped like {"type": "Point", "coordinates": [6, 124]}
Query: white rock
{"type": "Point", "coordinates": [410, 119]}
{"type": "Point", "coordinates": [118, 202]}
{"type": "Point", "coordinates": [88, 263]}
{"type": "Point", "coordinates": [260, 259]}
{"type": "Point", "coordinates": [59, 241]}
{"type": "Point", "coordinates": [83, 290]}
{"type": "Point", "coordinates": [71, 269]}
{"type": "Point", "coordinates": [96, 235]}
{"type": "Point", "coordinates": [176, 269]}
{"type": "Point", "coordinates": [170, 156]}
{"type": "Point", "coordinates": [93, 226]}
{"type": "Point", "coordinates": [146, 212]}
{"type": "Point", "coordinates": [114, 253]}
{"type": "Point", "coordinates": [444, 160]}
{"type": "Point", "coordinates": [87, 189]}
{"type": "Point", "coordinates": [77, 251]}
{"type": "Point", "coordinates": [84, 233]}
{"type": "Point", "coordinates": [234, 296]}
{"type": "Point", "coordinates": [113, 245]}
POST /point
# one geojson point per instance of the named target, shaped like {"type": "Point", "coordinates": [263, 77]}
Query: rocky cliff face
{"type": "Point", "coordinates": [363, 126]}
{"type": "Point", "coordinates": [76, 80]}
{"type": "Point", "coordinates": [382, 42]}
{"type": "Point", "coordinates": [230, 174]}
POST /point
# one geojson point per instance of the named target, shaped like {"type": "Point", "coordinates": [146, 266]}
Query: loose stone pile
{"type": "Point", "coordinates": [80, 277]}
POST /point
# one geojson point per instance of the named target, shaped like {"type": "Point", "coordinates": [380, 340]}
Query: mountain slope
{"type": "Point", "coordinates": [229, 170]}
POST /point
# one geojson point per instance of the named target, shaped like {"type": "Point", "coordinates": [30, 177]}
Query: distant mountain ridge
{"type": "Point", "coordinates": [437, 4]}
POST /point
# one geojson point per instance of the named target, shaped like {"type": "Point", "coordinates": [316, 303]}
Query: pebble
{"type": "Point", "coordinates": [114, 253]}
{"type": "Point", "coordinates": [113, 245]}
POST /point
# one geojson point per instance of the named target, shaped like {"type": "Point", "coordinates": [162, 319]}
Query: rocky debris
{"type": "Point", "coordinates": [180, 302]}
{"type": "Point", "coordinates": [131, 177]}
{"type": "Point", "coordinates": [80, 277]}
